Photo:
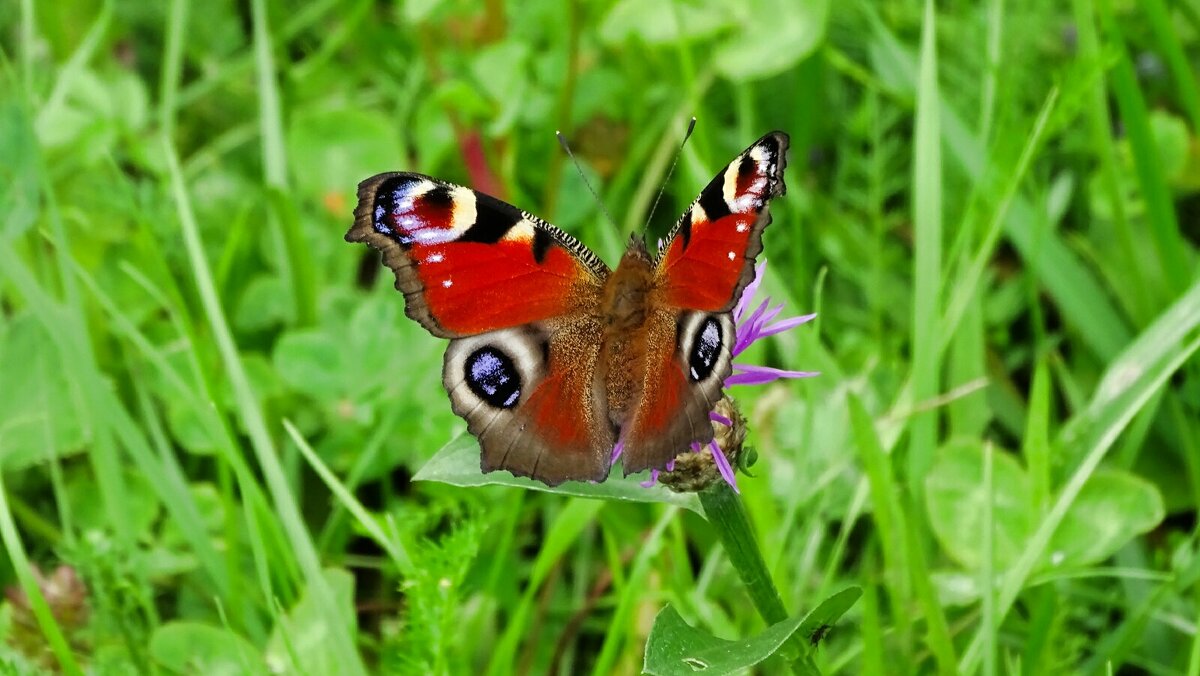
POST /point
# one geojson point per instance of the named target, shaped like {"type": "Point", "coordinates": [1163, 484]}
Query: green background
{"type": "Point", "coordinates": [212, 408]}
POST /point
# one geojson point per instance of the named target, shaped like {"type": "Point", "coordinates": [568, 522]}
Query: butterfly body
{"type": "Point", "coordinates": [553, 357]}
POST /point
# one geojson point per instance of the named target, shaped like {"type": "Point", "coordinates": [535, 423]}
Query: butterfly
{"type": "Point", "coordinates": [553, 356]}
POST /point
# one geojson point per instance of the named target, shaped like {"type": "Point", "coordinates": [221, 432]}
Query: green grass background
{"type": "Point", "coordinates": [212, 408]}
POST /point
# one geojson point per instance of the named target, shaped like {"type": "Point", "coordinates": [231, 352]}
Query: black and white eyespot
{"type": "Point", "coordinates": [496, 369]}
{"type": "Point", "coordinates": [493, 377]}
{"type": "Point", "coordinates": [705, 341]}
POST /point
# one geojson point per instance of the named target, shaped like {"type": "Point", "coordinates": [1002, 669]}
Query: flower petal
{"type": "Point", "coordinates": [723, 467]}
{"type": "Point", "coordinates": [618, 448]}
{"type": "Point", "coordinates": [717, 417]}
{"type": "Point", "coordinates": [757, 375]}
{"type": "Point", "coordinates": [749, 291]}
{"type": "Point", "coordinates": [745, 327]}
{"type": "Point", "coordinates": [785, 325]}
{"type": "Point", "coordinates": [651, 481]}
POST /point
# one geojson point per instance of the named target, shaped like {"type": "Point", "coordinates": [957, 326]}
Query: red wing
{"type": "Point", "coordinates": [709, 256]}
{"type": "Point", "coordinates": [468, 263]}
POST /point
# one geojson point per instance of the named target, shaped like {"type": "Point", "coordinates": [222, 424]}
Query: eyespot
{"type": "Point", "coordinates": [704, 344]}
{"type": "Point", "coordinates": [493, 377]}
{"type": "Point", "coordinates": [495, 370]}
{"type": "Point", "coordinates": [706, 348]}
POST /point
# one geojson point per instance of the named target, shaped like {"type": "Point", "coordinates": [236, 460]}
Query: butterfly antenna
{"type": "Point", "coordinates": [562, 140]}
{"type": "Point", "coordinates": [686, 136]}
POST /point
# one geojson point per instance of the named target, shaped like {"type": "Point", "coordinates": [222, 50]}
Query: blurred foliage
{"type": "Point", "coordinates": [175, 181]}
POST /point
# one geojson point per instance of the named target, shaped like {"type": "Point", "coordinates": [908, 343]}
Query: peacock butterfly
{"type": "Point", "coordinates": [553, 357]}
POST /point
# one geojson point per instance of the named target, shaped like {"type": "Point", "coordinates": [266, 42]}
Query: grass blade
{"type": "Point", "coordinates": [927, 256]}
{"type": "Point", "coordinates": [1160, 210]}
{"type": "Point", "coordinates": [341, 643]}
{"type": "Point", "coordinates": [1128, 384]}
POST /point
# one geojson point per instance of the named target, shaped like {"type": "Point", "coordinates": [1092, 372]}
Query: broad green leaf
{"type": "Point", "coordinates": [1112, 509]}
{"type": "Point", "coordinates": [416, 11]}
{"type": "Point", "coordinates": [1130, 381]}
{"type": "Point", "coordinates": [796, 29]}
{"type": "Point", "coordinates": [502, 72]}
{"type": "Point", "coordinates": [1172, 142]}
{"type": "Point", "coordinates": [140, 506]}
{"type": "Point", "coordinates": [674, 647]}
{"type": "Point", "coordinates": [955, 499]}
{"type": "Point", "coordinates": [328, 362]}
{"type": "Point", "coordinates": [457, 464]}
{"type": "Point", "coordinates": [41, 423]}
{"type": "Point", "coordinates": [264, 304]}
{"type": "Point", "coordinates": [302, 633]}
{"type": "Point", "coordinates": [195, 648]}
{"type": "Point", "coordinates": [658, 23]}
{"type": "Point", "coordinates": [331, 150]}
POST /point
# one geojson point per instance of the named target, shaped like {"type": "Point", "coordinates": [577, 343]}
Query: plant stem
{"type": "Point", "coordinates": [726, 513]}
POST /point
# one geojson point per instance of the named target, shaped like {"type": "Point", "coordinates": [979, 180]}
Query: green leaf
{"type": "Point", "coordinates": [416, 11]}
{"type": "Point", "coordinates": [140, 506]}
{"type": "Point", "coordinates": [195, 648]}
{"type": "Point", "coordinates": [659, 23]}
{"type": "Point", "coordinates": [299, 640]}
{"type": "Point", "coordinates": [796, 29]}
{"type": "Point", "coordinates": [327, 362]}
{"type": "Point", "coordinates": [42, 422]}
{"type": "Point", "coordinates": [1112, 508]}
{"type": "Point", "coordinates": [955, 499]}
{"type": "Point", "coordinates": [18, 171]}
{"type": "Point", "coordinates": [264, 305]}
{"type": "Point", "coordinates": [1130, 381]}
{"type": "Point", "coordinates": [457, 464]}
{"type": "Point", "coordinates": [330, 151]}
{"type": "Point", "coordinates": [674, 647]}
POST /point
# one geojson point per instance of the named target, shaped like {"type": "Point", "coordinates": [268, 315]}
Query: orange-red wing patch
{"type": "Point", "coordinates": [709, 256]}
{"type": "Point", "coordinates": [558, 410]}
{"type": "Point", "coordinates": [472, 287]}
{"type": "Point", "coordinates": [702, 272]}
{"type": "Point", "coordinates": [469, 263]}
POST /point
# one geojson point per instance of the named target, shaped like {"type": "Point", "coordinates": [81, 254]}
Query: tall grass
{"type": "Point", "coordinates": [215, 416]}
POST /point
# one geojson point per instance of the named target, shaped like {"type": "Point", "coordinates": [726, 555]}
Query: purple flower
{"type": "Point", "coordinates": [749, 327]}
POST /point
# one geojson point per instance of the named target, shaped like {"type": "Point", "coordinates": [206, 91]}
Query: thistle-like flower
{"type": "Point", "coordinates": [694, 469]}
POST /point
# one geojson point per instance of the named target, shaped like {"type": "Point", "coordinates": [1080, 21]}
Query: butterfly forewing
{"type": "Point", "coordinates": [708, 257]}
{"type": "Point", "coordinates": [468, 263]}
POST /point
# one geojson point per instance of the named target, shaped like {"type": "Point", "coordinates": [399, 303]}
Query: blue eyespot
{"type": "Point", "coordinates": [493, 377]}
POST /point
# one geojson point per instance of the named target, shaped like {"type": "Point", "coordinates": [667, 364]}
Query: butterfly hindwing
{"type": "Point", "coordinates": [682, 382]}
{"type": "Point", "coordinates": [528, 394]}
{"type": "Point", "coordinates": [517, 297]}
